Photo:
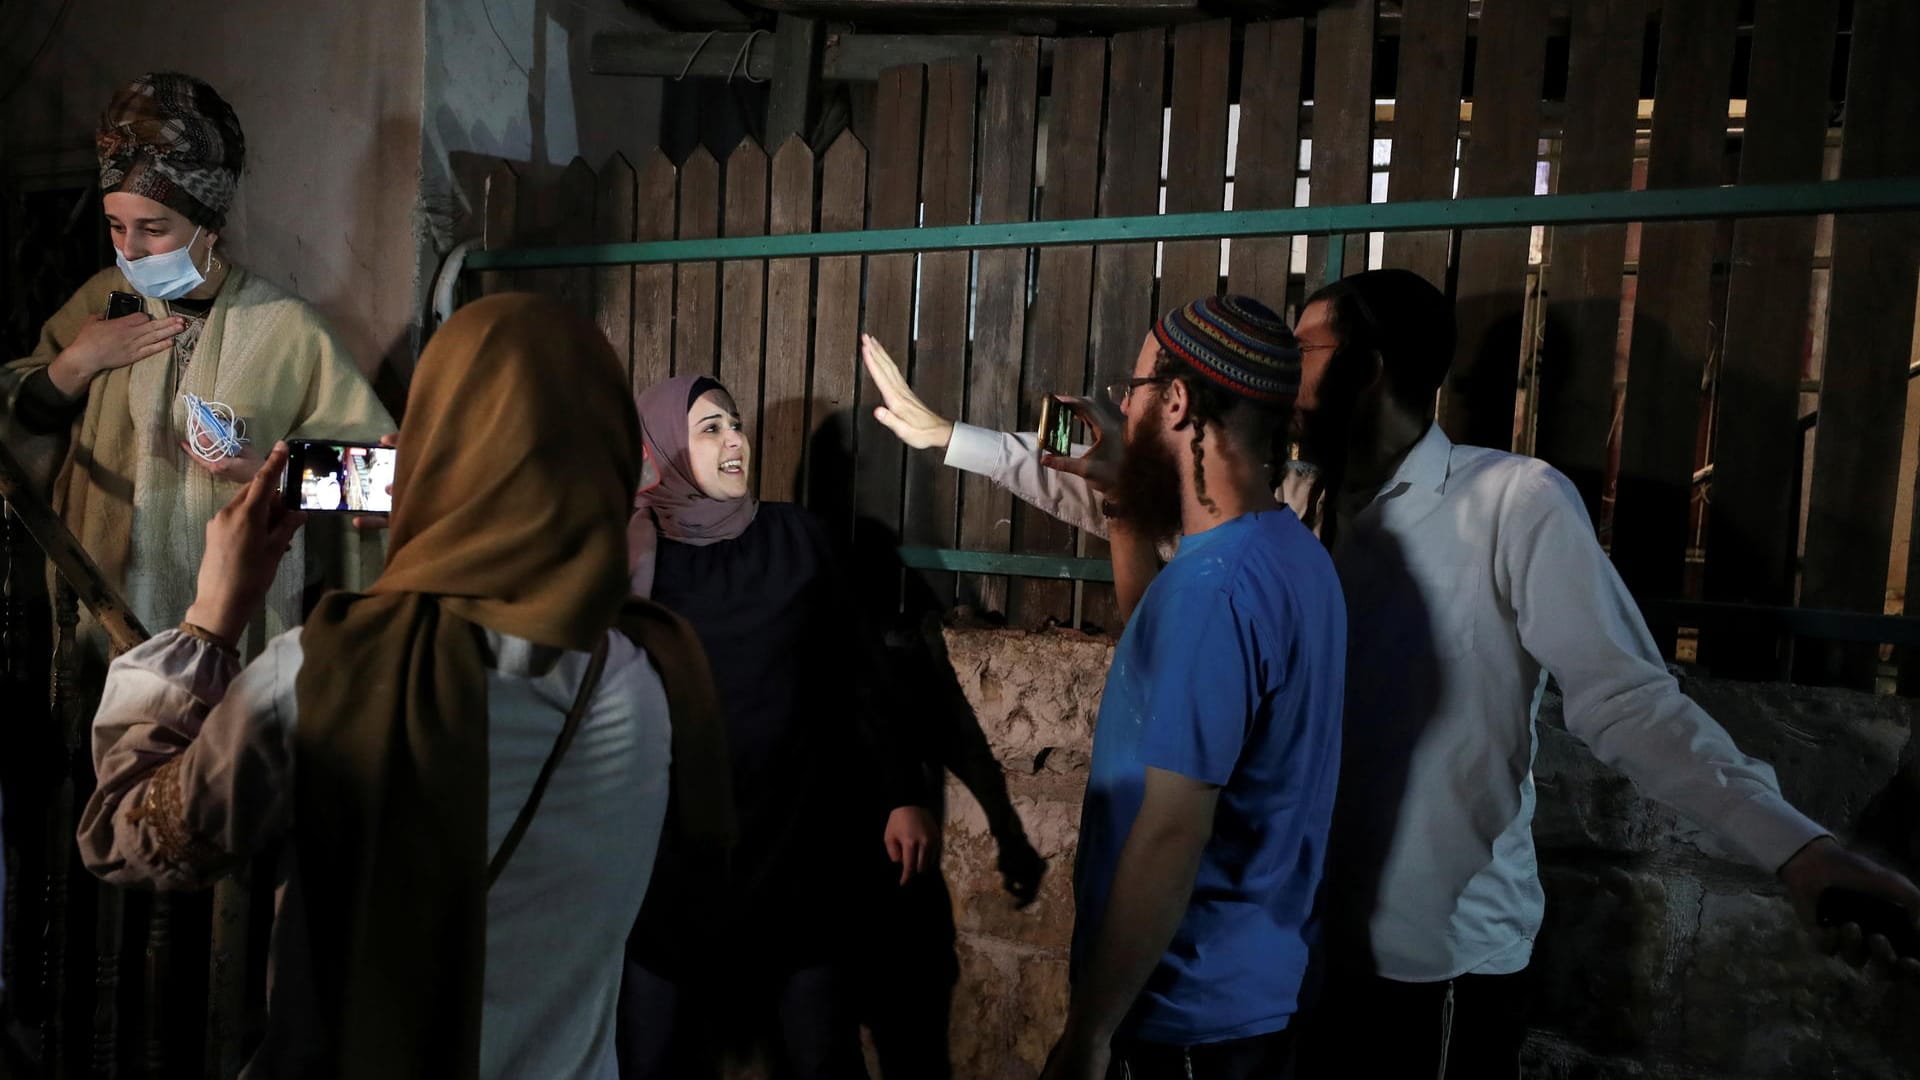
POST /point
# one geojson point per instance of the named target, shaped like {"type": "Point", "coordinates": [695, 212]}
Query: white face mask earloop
{"type": "Point", "coordinates": [213, 432]}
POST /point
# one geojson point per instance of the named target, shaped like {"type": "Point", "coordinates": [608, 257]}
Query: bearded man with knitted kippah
{"type": "Point", "coordinates": [96, 412]}
{"type": "Point", "coordinates": [1207, 808]}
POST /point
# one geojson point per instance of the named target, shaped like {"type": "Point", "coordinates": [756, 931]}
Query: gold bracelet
{"type": "Point", "coordinates": [194, 630]}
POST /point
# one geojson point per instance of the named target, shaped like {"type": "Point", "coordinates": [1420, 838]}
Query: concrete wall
{"type": "Point", "coordinates": [1657, 960]}
{"type": "Point", "coordinates": [358, 115]}
{"type": "Point", "coordinates": [508, 79]}
{"type": "Point", "coordinates": [329, 95]}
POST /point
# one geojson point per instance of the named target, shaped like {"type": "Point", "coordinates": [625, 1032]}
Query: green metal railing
{"type": "Point", "coordinates": [1009, 564]}
{"type": "Point", "coordinates": [1901, 630]}
{"type": "Point", "coordinates": [1677, 204]}
{"type": "Point", "coordinates": [1336, 223]}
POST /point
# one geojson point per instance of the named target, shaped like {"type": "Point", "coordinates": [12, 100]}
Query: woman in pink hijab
{"type": "Point", "coordinates": [814, 760]}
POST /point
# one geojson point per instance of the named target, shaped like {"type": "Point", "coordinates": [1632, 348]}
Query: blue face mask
{"type": "Point", "coordinates": [169, 275]}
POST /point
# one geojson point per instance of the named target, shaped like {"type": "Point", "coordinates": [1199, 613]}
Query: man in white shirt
{"type": "Point", "coordinates": [1470, 574]}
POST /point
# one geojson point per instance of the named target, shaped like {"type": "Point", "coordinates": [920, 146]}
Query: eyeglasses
{"type": "Point", "coordinates": [1118, 392]}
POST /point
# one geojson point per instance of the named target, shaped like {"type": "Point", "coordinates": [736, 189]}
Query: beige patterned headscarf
{"type": "Point", "coordinates": [173, 139]}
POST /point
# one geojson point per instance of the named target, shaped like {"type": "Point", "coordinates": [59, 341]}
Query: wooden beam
{"type": "Point", "coordinates": [1138, 9]}
{"type": "Point", "coordinates": [795, 97]}
{"type": "Point", "coordinates": [673, 55]}
{"type": "Point", "coordinates": [862, 57]}
{"type": "Point", "coordinates": [691, 13]}
{"type": "Point", "coordinates": [1103, 14]}
{"type": "Point", "coordinates": [843, 57]}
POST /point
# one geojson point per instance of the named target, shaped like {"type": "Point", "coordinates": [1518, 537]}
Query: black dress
{"type": "Point", "coordinates": [810, 734]}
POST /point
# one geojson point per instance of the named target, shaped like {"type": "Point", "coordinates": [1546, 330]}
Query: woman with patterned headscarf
{"type": "Point", "coordinates": [98, 410]}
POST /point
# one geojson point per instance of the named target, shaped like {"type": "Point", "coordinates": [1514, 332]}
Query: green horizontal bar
{"type": "Point", "coordinates": [1818, 623]}
{"type": "Point", "coordinates": [1678, 204]}
{"type": "Point", "coordinates": [1821, 623]}
{"type": "Point", "coordinates": [1012, 565]}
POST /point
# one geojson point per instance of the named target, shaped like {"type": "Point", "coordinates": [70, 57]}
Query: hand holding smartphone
{"type": "Point", "coordinates": [327, 476]}
{"type": "Point", "coordinates": [122, 304]}
{"type": "Point", "coordinates": [1056, 426]}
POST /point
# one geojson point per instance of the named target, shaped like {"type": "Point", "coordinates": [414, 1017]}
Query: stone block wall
{"type": "Point", "coordinates": [1036, 696]}
{"type": "Point", "coordinates": [1658, 959]}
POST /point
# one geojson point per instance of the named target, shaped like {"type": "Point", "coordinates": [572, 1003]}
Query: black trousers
{"type": "Point", "coordinates": [667, 1031]}
{"type": "Point", "coordinates": [1262, 1057]}
{"type": "Point", "coordinates": [1469, 1028]}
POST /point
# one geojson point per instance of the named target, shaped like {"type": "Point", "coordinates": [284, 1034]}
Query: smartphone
{"type": "Point", "coordinates": [1874, 915]}
{"type": "Point", "coordinates": [1056, 427]}
{"type": "Point", "coordinates": [122, 304]}
{"type": "Point", "coordinates": [328, 476]}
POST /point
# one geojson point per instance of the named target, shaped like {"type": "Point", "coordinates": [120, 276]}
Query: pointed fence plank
{"type": "Point", "coordinates": [656, 218]}
{"type": "Point", "coordinates": [743, 287]}
{"type": "Point", "coordinates": [932, 497]}
{"type": "Point", "coordinates": [783, 411]}
{"type": "Point", "coordinates": [1062, 299]}
{"type": "Point", "coordinates": [834, 405]}
{"type": "Point", "coordinates": [1008, 125]}
{"type": "Point", "coordinates": [614, 207]}
{"type": "Point", "coordinates": [697, 285]}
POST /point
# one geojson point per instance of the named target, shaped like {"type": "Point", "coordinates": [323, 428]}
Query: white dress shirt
{"type": "Point", "coordinates": [1471, 576]}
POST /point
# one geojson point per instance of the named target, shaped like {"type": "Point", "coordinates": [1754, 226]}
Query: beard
{"type": "Point", "coordinates": [1325, 433]}
{"type": "Point", "coordinates": [1147, 496]}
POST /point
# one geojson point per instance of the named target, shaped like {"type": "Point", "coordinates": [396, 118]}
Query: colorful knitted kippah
{"type": "Point", "coordinates": [1237, 342]}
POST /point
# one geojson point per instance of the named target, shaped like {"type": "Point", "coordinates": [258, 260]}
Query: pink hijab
{"type": "Point", "coordinates": [675, 507]}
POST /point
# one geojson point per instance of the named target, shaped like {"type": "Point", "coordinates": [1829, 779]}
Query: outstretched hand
{"type": "Point", "coordinates": [903, 413]}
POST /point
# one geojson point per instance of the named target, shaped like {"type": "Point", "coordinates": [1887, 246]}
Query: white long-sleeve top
{"type": "Point", "coordinates": [1471, 576]}
{"type": "Point", "coordinates": [196, 767]}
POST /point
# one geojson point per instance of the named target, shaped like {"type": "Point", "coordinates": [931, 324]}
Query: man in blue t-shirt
{"type": "Point", "coordinates": [1205, 823]}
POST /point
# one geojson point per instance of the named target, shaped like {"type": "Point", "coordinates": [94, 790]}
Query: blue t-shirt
{"type": "Point", "coordinates": [1230, 672]}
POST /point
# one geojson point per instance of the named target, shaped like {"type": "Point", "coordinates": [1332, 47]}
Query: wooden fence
{"type": "Point", "coordinates": [1670, 370]}
{"type": "Point", "coordinates": [1729, 396]}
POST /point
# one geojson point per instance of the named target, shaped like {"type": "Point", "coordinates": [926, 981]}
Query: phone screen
{"type": "Point", "coordinates": [1056, 427]}
{"type": "Point", "coordinates": [341, 477]}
